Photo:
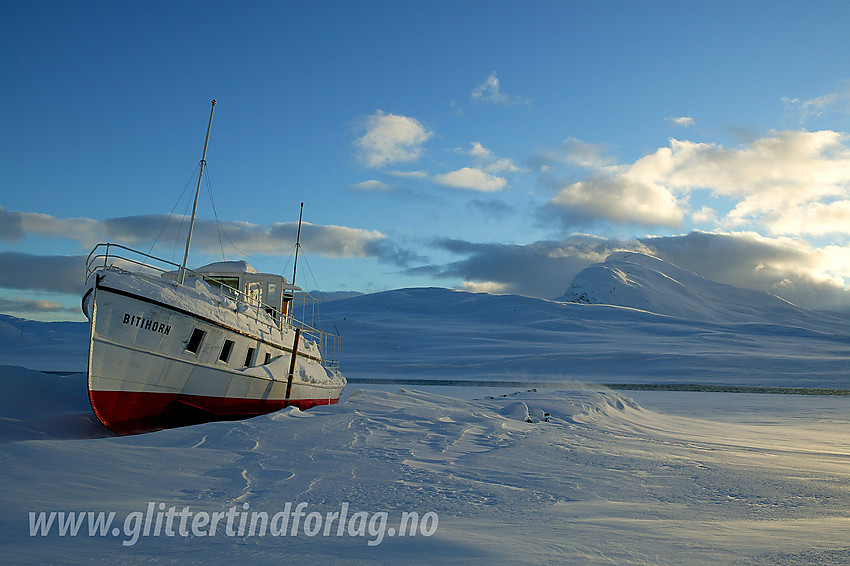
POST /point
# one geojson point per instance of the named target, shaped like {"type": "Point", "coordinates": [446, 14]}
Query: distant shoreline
{"type": "Point", "coordinates": [615, 386]}
{"type": "Point", "coordinates": [562, 384]}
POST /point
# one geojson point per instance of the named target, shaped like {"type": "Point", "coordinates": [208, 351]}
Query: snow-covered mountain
{"type": "Point", "coordinates": [662, 324]}
{"type": "Point", "coordinates": [648, 283]}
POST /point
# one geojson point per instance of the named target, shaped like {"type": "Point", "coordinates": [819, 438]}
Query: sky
{"type": "Point", "coordinates": [482, 146]}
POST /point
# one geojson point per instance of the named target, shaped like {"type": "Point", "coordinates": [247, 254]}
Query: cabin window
{"type": "Point", "coordinates": [194, 343]}
{"type": "Point", "coordinates": [249, 359]}
{"type": "Point", "coordinates": [268, 357]}
{"type": "Point", "coordinates": [225, 350]}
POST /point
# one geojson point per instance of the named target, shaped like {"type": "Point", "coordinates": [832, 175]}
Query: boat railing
{"type": "Point", "coordinates": [106, 255]}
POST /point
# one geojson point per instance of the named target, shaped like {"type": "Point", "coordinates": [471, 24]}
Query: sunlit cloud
{"type": "Point", "coordinates": [34, 307]}
{"type": "Point", "coordinates": [391, 139]}
{"type": "Point", "coordinates": [491, 287]}
{"type": "Point", "coordinates": [472, 179]}
{"type": "Point", "coordinates": [683, 121]}
{"type": "Point", "coordinates": [488, 161]}
{"type": "Point", "coordinates": [767, 181]}
{"type": "Point", "coordinates": [618, 198]}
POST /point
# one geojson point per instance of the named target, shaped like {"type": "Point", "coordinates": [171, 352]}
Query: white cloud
{"type": "Point", "coordinates": [472, 179]}
{"type": "Point", "coordinates": [618, 198]}
{"type": "Point", "coordinates": [764, 180]}
{"type": "Point", "coordinates": [705, 215]}
{"type": "Point", "coordinates": [486, 160]}
{"type": "Point", "coordinates": [585, 154]}
{"type": "Point", "coordinates": [683, 121]}
{"type": "Point", "coordinates": [372, 185]}
{"type": "Point", "coordinates": [837, 101]}
{"type": "Point", "coordinates": [491, 287]}
{"type": "Point", "coordinates": [391, 139]}
{"type": "Point", "coordinates": [813, 218]}
{"type": "Point", "coordinates": [489, 90]}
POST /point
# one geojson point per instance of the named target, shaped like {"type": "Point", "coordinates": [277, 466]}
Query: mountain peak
{"type": "Point", "coordinates": [645, 282]}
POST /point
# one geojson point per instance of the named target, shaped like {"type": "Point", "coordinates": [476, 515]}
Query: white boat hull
{"type": "Point", "coordinates": [142, 377]}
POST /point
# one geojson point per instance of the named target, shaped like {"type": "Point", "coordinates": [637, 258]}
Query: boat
{"type": "Point", "coordinates": [171, 346]}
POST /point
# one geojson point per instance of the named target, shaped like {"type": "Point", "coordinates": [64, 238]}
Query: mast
{"type": "Point", "coordinates": [182, 277]}
{"type": "Point", "coordinates": [297, 244]}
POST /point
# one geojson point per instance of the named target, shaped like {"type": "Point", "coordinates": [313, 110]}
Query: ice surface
{"type": "Point", "coordinates": [575, 477]}
{"type": "Point", "coordinates": [566, 474]}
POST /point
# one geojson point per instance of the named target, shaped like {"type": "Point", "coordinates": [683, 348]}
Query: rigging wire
{"type": "Point", "coordinates": [318, 290]}
{"type": "Point", "coordinates": [220, 226]}
{"type": "Point", "coordinates": [171, 213]}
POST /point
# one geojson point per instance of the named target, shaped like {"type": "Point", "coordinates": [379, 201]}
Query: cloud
{"type": "Point", "coordinates": [408, 174]}
{"type": "Point", "coordinates": [837, 101]}
{"type": "Point", "coordinates": [491, 287]}
{"type": "Point", "coordinates": [490, 91]}
{"type": "Point", "coordinates": [391, 139]}
{"type": "Point", "coordinates": [813, 218]}
{"type": "Point", "coordinates": [491, 209]}
{"type": "Point", "coordinates": [372, 185]}
{"type": "Point", "coordinates": [61, 274]}
{"type": "Point", "coordinates": [541, 269]}
{"type": "Point", "coordinates": [486, 160]}
{"type": "Point", "coordinates": [209, 235]}
{"type": "Point", "coordinates": [472, 179]}
{"type": "Point", "coordinates": [767, 181]}
{"type": "Point", "coordinates": [618, 198]}
{"type": "Point", "coordinates": [790, 268]}
{"type": "Point", "coordinates": [11, 226]}
{"type": "Point", "coordinates": [683, 121]}
{"type": "Point", "coordinates": [34, 307]}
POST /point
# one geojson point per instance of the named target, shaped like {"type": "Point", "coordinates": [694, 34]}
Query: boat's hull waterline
{"type": "Point", "coordinates": [145, 374]}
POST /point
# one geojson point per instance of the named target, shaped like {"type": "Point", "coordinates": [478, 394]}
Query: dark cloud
{"type": "Point", "coordinates": [62, 274]}
{"type": "Point", "coordinates": [209, 236]}
{"type": "Point", "coordinates": [11, 227]}
{"type": "Point", "coordinates": [786, 268]}
{"type": "Point", "coordinates": [542, 269]}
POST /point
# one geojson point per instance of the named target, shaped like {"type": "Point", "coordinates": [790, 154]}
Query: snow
{"type": "Point", "coordinates": [207, 301]}
{"type": "Point", "coordinates": [553, 472]}
{"type": "Point", "coordinates": [641, 281]}
{"type": "Point", "coordinates": [240, 266]}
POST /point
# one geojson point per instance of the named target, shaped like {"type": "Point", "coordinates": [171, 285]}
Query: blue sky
{"type": "Point", "coordinates": [496, 146]}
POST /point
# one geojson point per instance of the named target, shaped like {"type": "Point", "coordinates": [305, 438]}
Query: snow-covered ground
{"type": "Point", "coordinates": [558, 473]}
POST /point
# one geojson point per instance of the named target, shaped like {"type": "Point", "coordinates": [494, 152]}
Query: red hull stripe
{"type": "Point", "coordinates": [133, 412]}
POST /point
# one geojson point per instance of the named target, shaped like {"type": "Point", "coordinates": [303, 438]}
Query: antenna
{"type": "Point", "coordinates": [297, 244]}
{"type": "Point", "coordinates": [197, 191]}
